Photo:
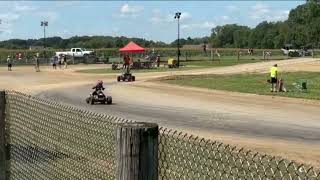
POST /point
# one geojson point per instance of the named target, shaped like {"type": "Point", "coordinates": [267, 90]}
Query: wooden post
{"type": "Point", "coordinates": [3, 149]}
{"type": "Point", "coordinates": [186, 56]}
{"type": "Point", "coordinates": [312, 50]}
{"type": "Point", "coordinates": [238, 54]}
{"type": "Point", "coordinates": [137, 151]}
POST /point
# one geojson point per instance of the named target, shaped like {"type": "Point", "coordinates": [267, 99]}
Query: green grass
{"type": "Point", "coordinates": [253, 83]}
{"type": "Point", "coordinates": [110, 71]}
{"type": "Point", "coordinates": [186, 65]}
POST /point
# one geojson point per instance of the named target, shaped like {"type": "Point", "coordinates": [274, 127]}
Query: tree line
{"type": "Point", "coordinates": [300, 30]}
{"type": "Point", "coordinates": [94, 42]}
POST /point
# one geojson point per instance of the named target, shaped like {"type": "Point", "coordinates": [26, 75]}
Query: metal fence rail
{"type": "Point", "coordinates": [53, 141]}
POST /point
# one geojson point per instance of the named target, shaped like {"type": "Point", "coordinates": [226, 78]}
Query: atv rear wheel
{"type": "Point", "coordinates": [118, 78]}
{"type": "Point", "coordinates": [133, 78]}
{"type": "Point", "coordinates": [109, 100]}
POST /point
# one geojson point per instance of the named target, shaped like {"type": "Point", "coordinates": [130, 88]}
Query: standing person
{"type": "Point", "coordinates": [59, 61]}
{"type": "Point", "coordinates": [274, 77]}
{"type": "Point", "coordinates": [204, 48]}
{"type": "Point", "coordinates": [54, 63]}
{"type": "Point", "coordinates": [158, 61]}
{"type": "Point", "coordinates": [126, 62]}
{"type": "Point", "coordinates": [65, 62]}
{"type": "Point", "coordinates": [36, 59]}
{"type": "Point", "coordinates": [9, 61]}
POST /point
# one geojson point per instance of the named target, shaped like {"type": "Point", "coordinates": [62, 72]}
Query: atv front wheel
{"type": "Point", "coordinates": [91, 101]}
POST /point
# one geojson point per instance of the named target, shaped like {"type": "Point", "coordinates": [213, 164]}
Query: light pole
{"type": "Point", "coordinates": [177, 16]}
{"type": "Point", "coordinates": [44, 24]}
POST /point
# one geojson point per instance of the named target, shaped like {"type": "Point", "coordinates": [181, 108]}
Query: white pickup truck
{"type": "Point", "coordinates": [76, 52]}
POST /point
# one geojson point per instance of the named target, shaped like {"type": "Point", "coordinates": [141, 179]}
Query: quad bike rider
{"type": "Point", "coordinates": [97, 87]}
{"type": "Point", "coordinates": [98, 95]}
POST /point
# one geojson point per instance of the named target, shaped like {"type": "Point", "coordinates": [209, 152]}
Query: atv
{"type": "Point", "coordinates": [99, 97]}
{"type": "Point", "coordinates": [126, 77]}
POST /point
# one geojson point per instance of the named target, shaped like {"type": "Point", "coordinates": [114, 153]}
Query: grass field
{"type": "Point", "coordinates": [254, 83]}
{"type": "Point", "coordinates": [186, 65]}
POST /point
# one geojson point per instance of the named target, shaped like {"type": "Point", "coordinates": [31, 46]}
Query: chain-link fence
{"type": "Point", "coordinates": [187, 157]}
{"type": "Point", "coordinates": [212, 54]}
{"type": "Point", "coordinates": [109, 55]}
{"type": "Point", "coordinates": [53, 141]}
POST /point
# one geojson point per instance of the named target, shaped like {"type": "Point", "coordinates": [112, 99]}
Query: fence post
{"type": "Point", "coordinates": [137, 151]}
{"type": "Point", "coordinates": [3, 151]}
{"type": "Point", "coordinates": [186, 56]}
{"type": "Point", "coordinates": [238, 55]}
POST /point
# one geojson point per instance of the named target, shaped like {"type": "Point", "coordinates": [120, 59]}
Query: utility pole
{"type": "Point", "coordinates": [177, 16]}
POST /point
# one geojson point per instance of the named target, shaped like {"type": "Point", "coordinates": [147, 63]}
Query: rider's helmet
{"type": "Point", "coordinates": [100, 81]}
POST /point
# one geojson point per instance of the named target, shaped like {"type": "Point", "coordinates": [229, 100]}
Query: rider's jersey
{"type": "Point", "coordinates": [99, 86]}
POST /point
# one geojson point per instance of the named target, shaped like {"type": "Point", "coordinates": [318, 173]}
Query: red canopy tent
{"type": "Point", "coordinates": [131, 48]}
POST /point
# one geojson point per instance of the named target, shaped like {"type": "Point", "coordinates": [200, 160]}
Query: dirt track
{"type": "Point", "coordinates": [280, 126]}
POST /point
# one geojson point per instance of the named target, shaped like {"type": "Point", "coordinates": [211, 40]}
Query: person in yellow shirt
{"type": "Point", "coordinates": [274, 77]}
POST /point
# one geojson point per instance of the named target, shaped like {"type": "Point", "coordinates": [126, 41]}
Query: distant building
{"type": "Point", "coordinates": [36, 48]}
{"type": "Point", "coordinates": [198, 46]}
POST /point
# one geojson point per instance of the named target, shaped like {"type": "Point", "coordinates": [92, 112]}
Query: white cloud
{"type": "Point", "coordinates": [15, 11]}
{"type": "Point", "coordinates": [156, 11]}
{"type": "Point", "coordinates": [130, 11]}
{"type": "Point", "coordinates": [261, 12]}
{"type": "Point", "coordinates": [225, 18]}
{"type": "Point", "coordinates": [281, 15]}
{"type": "Point", "coordinates": [24, 8]}
{"type": "Point", "coordinates": [232, 8]}
{"type": "Point", "coordinates": [7, 20]}
{"type": "Point", "coordinates": [66, 3]}
{"type": "Point", "coordinates": [159, 17]}
{"type": "Point", "coordinates": [9, 17]}
{"type": "Point", "coordinates": [115, 31]}
{"type": "Point", "coordinates": [66, 33]}
{"type": "Point", "coordinates": [185, 16]}
{"type": "Point", "coordinates": [204, 25]}
{"type": "Point", "coordinates": [48, 16]}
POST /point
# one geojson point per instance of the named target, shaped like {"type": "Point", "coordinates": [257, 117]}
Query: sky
{"type": "Point", "coordinates": [152, 20]}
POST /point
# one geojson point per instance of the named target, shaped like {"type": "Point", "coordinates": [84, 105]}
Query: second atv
{"type": "Point", "coordinates": [126, 76]}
